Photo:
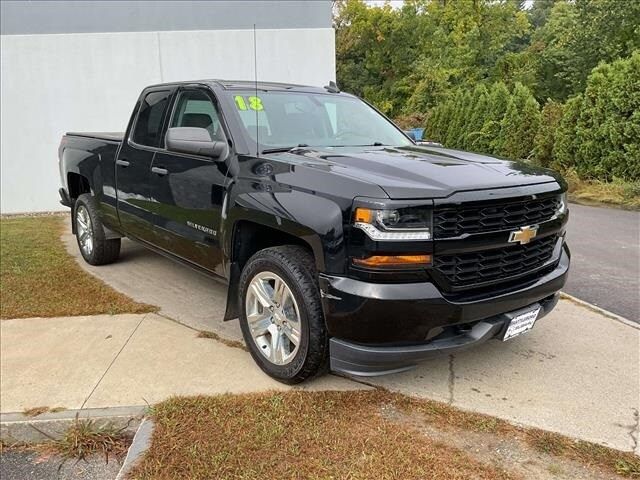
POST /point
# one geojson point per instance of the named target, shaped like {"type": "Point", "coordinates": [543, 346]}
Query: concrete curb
{"type": "Point", "coordinates": [139, 445]}
{"type": "Point", "coordinates": [19, 429]}
{"type": "Point", "coordinates": [601, 311]}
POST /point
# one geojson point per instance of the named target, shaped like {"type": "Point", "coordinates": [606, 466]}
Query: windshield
{"type": "Point", "coordinates": [291, 119]}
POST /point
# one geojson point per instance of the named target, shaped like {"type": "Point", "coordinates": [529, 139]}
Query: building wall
{"type": "Point", "coordinates": [52, 83]}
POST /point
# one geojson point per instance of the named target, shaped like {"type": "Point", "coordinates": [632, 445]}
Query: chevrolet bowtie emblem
{"type": "Point", "coordinates": [524, 235]}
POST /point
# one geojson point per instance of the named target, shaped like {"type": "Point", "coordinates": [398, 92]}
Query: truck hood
{"type": "Point", "coordinates": [422, 172]}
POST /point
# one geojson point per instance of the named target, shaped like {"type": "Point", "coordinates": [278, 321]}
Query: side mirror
{"type": "Point", "coordinates": [196, 141]}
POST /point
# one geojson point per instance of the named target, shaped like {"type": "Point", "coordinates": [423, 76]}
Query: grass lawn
{"type": "Point", "coordinates": [39, 278]}
{"type": "Point", "coordinates": [357, 435]}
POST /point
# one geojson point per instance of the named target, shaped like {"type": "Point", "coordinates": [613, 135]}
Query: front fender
{"type": "Point", "coordinates": [311, 218]}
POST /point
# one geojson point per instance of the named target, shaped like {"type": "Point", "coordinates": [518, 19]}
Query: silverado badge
{"type": "Point", "coordinates": [524, 235]}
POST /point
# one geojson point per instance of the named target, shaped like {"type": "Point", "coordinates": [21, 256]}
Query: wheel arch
{"type": "Point", "coordinates": [249, 236]}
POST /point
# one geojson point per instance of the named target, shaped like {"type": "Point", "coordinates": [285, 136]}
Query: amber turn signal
{"type": "Point", "coordinates": [382, 261]}
{"type": "Point", "coordinates": [364, 215]}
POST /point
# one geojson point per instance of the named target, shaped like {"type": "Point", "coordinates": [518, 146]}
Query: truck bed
{"type": "Point", "coordinates": [108, 136]}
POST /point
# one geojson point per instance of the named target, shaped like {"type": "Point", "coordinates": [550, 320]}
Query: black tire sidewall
{"type": "Point", "coordinates": [87, 201]}
{"type": "Point", "coordinates": [290, 372]}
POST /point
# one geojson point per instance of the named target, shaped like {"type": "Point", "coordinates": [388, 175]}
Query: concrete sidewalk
{"type": "Point", "coordinates": [121, 360]}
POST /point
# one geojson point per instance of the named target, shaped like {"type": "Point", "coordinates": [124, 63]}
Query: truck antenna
{"type": "Point", "coordinates": [255, 76]}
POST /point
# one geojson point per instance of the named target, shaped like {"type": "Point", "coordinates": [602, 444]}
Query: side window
{"type": "Point", "coordinates": [194, 108]}
{"type": "Point", "coordinates": [149, 123]}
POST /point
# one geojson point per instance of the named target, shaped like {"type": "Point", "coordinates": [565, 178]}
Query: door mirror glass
{"type": "Point", "coordinates": [196, 141]}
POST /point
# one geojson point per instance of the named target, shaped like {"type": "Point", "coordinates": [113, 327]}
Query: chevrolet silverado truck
{"type": "Point", "coordinates": [344, 244]}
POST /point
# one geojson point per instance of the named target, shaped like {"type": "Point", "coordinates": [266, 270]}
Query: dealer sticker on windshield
{"type": "Point", "coordinates": [521, 323]}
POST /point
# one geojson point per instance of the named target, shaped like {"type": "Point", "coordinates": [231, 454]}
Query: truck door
{"type": "Point", "coordinates": [133, 163]}
{"type": "Point", "coordinates": [188, 190]}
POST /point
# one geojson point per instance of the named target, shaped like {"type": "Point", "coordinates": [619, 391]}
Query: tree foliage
{"type": "Point", "coordinates": [608, 129]}
{"type": "Point", "coordinates": [474, 73]}
{"type": "Point", "coordinates": [550, 119]}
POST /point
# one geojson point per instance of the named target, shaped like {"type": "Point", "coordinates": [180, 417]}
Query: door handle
{"type": "Point", "coordinates": [160, 171]}
{"type": "Point", "coordinates": [122, 162]}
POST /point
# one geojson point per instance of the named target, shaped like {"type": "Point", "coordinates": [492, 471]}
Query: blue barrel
{"type": "Point", "coordinates": [417, 133]}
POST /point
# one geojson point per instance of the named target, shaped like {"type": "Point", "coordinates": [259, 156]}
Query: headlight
{"type": "Point", "coordinates": [401, 224]}
{"type": "Point", "coordinates": [562, 208]}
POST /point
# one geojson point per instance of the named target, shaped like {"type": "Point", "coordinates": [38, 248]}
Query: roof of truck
{"type": "Point", "coordinates": [247, 84]}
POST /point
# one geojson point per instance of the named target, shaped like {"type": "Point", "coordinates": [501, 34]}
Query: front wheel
{"type": "Point", "coordinates": [281, 314]}
{"type": "Point", "coordinates": [95, 248]}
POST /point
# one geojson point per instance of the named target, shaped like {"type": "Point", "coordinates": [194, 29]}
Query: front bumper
{"type": "Point", "coordinates": [382, 328]}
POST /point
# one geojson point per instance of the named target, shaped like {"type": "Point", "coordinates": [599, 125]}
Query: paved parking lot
{"type": "Point", "coordinates": [605, 267]}
{"type": "Point", "coordinates": [576, 373]}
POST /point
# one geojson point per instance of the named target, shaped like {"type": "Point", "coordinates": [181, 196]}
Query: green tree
{"type": "Point", "coordinates": [540, 11]}
{"type": "Point", "coordinates": [498, 100]}
{"type": "Point", "coordinates": [457, 132]}
{"type": "Point", "coordinates": [545, 138]}
{"type": "Point", "coordinates": [519, 125]}
{"type": "Point", "coordinates": [577, 36]}
{"type": "Point", "coordinates": [565, 143]}
{"type": "Point", "coordinates": [477, 116]}
{"type": "Point", "coordinates": [450, 120]}
{"type": "Point", "coordinates": [608, 129]}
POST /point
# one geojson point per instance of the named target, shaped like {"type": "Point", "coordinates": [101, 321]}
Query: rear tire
{"type": "Point", "coordinates": [281, 314]}
{"type": "Point", "coordinates": [94, 246]}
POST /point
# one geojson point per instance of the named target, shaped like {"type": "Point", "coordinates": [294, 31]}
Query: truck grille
{"type": "Point", "coordinates": [451, 222]}
{"type": "Point", "coordinates": [468, 269]}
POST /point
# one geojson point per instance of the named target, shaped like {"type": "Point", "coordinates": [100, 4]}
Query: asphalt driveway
{"type": "Point", "coordinates": [605, 262]}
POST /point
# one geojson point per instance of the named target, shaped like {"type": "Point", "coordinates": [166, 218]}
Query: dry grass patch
{"type": "Point", "coordinates": [296, 435]}
{"type": "Point", "coordinates": [351, 435]}
{"type": "Point", "coordinates": [35, 411]}
{"type": "Point", "coordinates": [224, 341]}
{"type": "Point", "coordinates": [40, 279]}
{"type": "Point", "coordinates": [89, 437]}
{"type": "Point", "coordinates": [617, 193]}
{"type": "Point", "coordinates": [554, 444]}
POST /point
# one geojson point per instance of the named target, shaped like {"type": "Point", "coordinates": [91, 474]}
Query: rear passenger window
{"type": "Point", "coordinates": [149, 123]}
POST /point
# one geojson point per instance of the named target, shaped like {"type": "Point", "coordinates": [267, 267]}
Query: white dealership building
{"type": "Point", "coordinates": [79, 66]}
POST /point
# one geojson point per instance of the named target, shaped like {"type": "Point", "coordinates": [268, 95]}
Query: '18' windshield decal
{"type": "Point", "coordinates": [254, 103]}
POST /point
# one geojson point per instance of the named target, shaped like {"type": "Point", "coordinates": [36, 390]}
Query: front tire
{"type": "Point", "coordinates": [95, 248]}
{"type": "Point", "coordinates": [281, 314]}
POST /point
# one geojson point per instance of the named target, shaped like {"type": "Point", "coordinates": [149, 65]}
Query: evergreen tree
{"type": "Point", "coordinates": [519, 125]}
{"type": "Point", "coordinates": [451, 117]}
{"type": "Point", "coordinates": [457, 125]}
{"type": "Point", "coordinates": [551, 116]}
{"type": "Point", "coordinates": [565, 144]}
{"type": "Point", "coordinates": [608, 130]}
{"type": "Point", "coordinates": [498, 100]}
{"type": "Point", "coordinates": [467, 110]}
{"type": "Point", "coordinates": [477, 116]}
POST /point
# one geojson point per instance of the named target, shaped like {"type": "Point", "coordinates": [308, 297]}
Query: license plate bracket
{"type": "Point", "coordinates": [521, 321]}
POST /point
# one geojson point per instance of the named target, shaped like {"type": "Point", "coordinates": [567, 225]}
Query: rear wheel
{"type": "Point", "coordinates": [95, 248]}
{"type": "Point", "coordinates": [281, 314]}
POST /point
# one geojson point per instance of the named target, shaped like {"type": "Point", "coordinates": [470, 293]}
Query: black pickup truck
{"type": "Point", "coordinates": [344, 244]}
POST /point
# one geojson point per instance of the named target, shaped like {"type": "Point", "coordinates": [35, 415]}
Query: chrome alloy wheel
{"type": "Point", "coordinates": [85, 230]}
{"type": "Point", "coordinates": [273, 317]}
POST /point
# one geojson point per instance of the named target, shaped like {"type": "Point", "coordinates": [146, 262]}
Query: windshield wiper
{"type": "Point", "coordinates": [283, 149]}
{"type": "Point", "coordinates": [374, 144]}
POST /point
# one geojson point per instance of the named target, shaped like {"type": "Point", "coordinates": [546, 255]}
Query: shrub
{"type": "Point", "coordinates": [551, 116]}
{"type": "Point", "coordinates": [498, 100]}
{"type": "Point", "coordinates": [565, 143]}
{"type": "Point", "coordinates": [476, 116]}
{"type": "Point", "coordinates": [519, 125]}
{"type": "Point", "coordinates": [608, 129]}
